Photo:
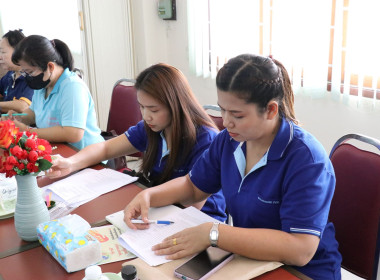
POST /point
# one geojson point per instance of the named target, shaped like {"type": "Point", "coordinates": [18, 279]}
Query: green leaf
{"type": "Point", "coordinates": [21, 141]}
{"type": "Point", "coordinates": [44, 164]}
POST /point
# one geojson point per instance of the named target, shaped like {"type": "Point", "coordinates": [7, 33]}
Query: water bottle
{"type": "Point", "coordinates": [94, 272]}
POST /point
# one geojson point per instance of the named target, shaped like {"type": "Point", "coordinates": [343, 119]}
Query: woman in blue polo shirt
{"type": "Point", "coordinates": [62, 106]}
{"type": "Point", "coordinates": [16, 95]}
{"type": "Point", "coordinates": [173, 134]}
{"type": "Point", "coordinates": [277, 180]}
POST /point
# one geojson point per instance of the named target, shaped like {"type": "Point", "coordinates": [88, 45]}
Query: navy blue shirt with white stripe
{"type": "Point", "coordinates": [215, 205]}
{"type": "Point", "coordinates": [15, 89]}
{"type": "Point", "coordinates": [289, 189]}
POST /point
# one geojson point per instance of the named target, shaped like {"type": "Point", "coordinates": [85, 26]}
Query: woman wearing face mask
{"type": "Point", "coordinates": [62, 108]}
{"type": "Point", "coordinates": [16, 95]}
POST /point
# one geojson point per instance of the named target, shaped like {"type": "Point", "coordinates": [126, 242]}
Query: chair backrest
{"type": "Point", "coordinates": [355, 208]}
{"type": "Point", "coordinates": [217, 119]}
{"type": "Point", "coordinates": [124, 110]}
{"type": "Point", "coordinates": [79, 72]}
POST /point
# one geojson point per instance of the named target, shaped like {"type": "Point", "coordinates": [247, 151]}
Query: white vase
{"type": "Point", "coordinates": [30, 209]}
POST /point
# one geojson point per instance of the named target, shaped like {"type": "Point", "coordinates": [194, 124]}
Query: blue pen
{"type": "Point", "coordinates": [15, 114]}
{"type": "Point", "coordinates": [158, 222]}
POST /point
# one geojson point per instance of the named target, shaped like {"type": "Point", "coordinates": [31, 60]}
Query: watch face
{"type": "Point", "coordinates": [214, 235]}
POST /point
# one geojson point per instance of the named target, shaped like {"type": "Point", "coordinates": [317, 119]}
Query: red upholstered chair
{"type": "Point", "coordinates": [215, 115]}
{"type": "Point", "coordinates": [355, 208]}
{"type": "Point", "coordinates": [124, 112]}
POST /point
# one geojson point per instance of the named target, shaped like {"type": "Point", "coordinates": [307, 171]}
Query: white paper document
{"type": "Point", "coordinates": [140, 242]}
{"type": "Point", "coordinates": [117, 219]}
{"type": "Point", "coordinates": [86, 185]}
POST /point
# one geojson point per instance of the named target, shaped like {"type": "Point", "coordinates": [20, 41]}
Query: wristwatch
{"type": "Point", "coordinates": [214, 235]}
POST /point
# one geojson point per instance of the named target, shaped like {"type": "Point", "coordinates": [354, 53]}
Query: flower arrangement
{"type": "Point", "coordinates": [24, 153]}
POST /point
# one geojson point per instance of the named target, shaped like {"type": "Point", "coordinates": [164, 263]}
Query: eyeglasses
{"type": "Point", "coordinates": [32, 74]}
{"type": "Point", "coordinates": [22, 73]}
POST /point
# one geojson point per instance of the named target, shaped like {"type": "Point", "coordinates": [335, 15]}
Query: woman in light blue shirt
{"type": "Point", "coordinates": [62, 108]}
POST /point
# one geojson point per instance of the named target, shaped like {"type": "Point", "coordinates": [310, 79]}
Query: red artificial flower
{"type": "Point", "coordinates": [31, 144]}
{"type": "Point", "coordinates": [23, 152]}
{"type": "Point", "coordinates": [47, 157]}
{"type": "Point", "coordinates": [43, 147]}
{"type": "Point", "coordinates": [21, 166]}
{"type": "Point", "coordinates": [10, 173]}
{"type": "Point", "coordinates": [10, 162]}
{"type": "Point", "coordinates": [7, 132]}
{"type": "Point", "coordinates": [24, 155]}
{"type": "Point", "coordinates": [32, 167]}
{"type": "Point", "coordinates": [29, 134]}
{"type": "Point", "coordinates": [33, 156]}
{"type": "Point", "coordinates": [17, 137]}
{"type": "Point", "coordinates": [17, 152]}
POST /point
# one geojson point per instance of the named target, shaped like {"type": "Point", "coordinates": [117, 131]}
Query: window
{"type": "Point", "coordinates": [325, 45]}
{"type": "Point", "coordinates": [53, 19]}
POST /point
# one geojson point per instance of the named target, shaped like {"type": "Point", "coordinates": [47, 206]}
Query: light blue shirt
{"type": "Point", "coordinates": [69, 104]}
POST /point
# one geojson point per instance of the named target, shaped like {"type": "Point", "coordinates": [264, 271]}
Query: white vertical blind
{"type": "Point", "coordinates": [325, 45]}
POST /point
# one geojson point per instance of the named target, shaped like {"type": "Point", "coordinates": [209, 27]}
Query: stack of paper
{"type": "Point", "coordinates": [86, 185]}
{"type": "Point", "coordinates": [140, 242]}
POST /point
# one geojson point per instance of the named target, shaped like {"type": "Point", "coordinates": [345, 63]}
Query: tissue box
{"type": "Point", "coordinates": [73, 252]}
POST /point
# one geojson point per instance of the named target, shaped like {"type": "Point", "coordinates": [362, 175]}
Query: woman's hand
{"type": "Point", "coordinates": [61, 167]}
{"type": "Point", "coordinates": [185, 243]}
{"type": "Point", "coordinates": [15, 119]}
{"type": "Point", "coordinates": [20, 125]}
{"type": "Point", "coordinates": [139, 206]}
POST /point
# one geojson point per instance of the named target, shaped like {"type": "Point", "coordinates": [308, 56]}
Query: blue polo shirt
{"type": "Point", "coordinates": [69, 104]}
{"type": "Point", "coordinates": [289, 189]}
{"type": "Point", "coordinates": [12, 89]}
{"type": "Point", "coordinates": [215, 204]}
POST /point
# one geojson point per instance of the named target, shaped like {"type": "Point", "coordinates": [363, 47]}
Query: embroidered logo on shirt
{"type": "Point", "coordinates": [269, 201]}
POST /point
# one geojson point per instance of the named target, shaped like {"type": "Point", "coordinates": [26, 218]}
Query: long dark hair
{"type": "Point", "coordinates": [14, 37]}
{"type": "Point", "coordinates": [38, 51]}
{"type": "Point", "coordinates": [169, 86]}
{"type": "Point", "coordinates": [258, 79]}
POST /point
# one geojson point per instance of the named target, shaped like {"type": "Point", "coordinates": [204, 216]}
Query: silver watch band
{"type": "Point", "coordinates": [214, 235]}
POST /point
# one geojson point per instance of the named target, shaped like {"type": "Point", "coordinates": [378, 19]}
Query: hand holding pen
{"type": "Point", "coordinates": [14, 114]}
{"type": "Point", "coordinates": [11, 115]}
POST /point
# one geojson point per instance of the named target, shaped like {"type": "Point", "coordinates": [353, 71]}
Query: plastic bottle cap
{"type": "Point", "coordinates": [93, 272]}
{"type": "Point", "coordinates": [128, 272]}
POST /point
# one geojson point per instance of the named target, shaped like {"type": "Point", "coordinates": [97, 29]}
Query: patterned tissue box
{"type": "Point", "coordinates": [72, 252]}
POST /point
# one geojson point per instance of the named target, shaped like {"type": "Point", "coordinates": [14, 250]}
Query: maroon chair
{"type": "Point", "coordinates": [215, 116]}
{"type": "Point", "coordinates": [124, 109]}
{"type": "Point", "coordinates": [124, 112]}
{"type": "Point", "coordinates": [355, 208]}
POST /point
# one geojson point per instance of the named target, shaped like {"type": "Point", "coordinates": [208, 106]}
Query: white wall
{"type": "Point", "coordinates": [158, 40]}
{"type": "Point", "coordinates": [109, 55]}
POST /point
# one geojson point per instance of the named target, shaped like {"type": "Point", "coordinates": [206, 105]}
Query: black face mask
{"type": "Point", "coordinates": [36, 82]}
